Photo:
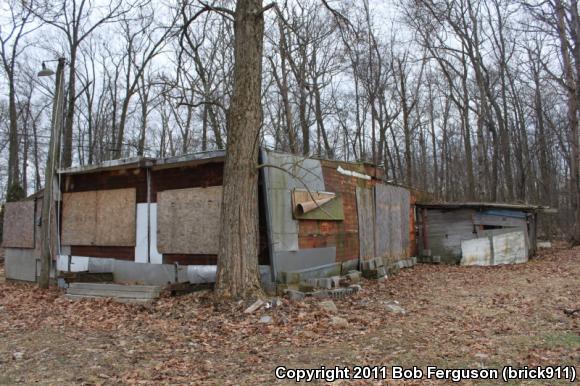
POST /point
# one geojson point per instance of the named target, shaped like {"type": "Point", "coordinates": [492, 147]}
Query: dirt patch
{"type": "Point", "coordinates": [456, 317]}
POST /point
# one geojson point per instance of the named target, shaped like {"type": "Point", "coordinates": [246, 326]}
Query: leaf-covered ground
{"type": "Point", "coordinates": [456, 317]}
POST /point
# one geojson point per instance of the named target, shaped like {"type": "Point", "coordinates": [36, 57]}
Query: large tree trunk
{"type": "Point", "coordinates": [238, 271]}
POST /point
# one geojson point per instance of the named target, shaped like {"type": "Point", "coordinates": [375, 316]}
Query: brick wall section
{"type": "Point", "coordinates": [344, 234]}
{"type": "Point", "coordinates": [340, 234]}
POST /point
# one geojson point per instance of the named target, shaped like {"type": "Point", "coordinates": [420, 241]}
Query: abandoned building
{"type": "Point", "coordinates": [476, 233]}
{"type": "Point", "coordinates": [156, 221]}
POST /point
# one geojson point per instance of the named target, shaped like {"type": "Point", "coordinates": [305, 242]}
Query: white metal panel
{"type": "Point", "coordinates": [476, 252]}
{"type": "Point", "coordinates": [141, 237]}
{"type": "Point", "coordinates": [510, 248]}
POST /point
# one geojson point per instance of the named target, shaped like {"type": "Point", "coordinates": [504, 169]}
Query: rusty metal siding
{"type": "Point", "coordinates": [366, 221]}
{"type": "Point", "coordinates": [445, 231]}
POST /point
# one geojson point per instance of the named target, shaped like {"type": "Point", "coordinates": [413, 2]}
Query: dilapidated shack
{"type": "Point", "coordinates": [156, 221]}
{"type": "Point", "coordinates": [443, 227]}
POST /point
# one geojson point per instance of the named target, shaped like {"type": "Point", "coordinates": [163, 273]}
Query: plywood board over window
{"type": "Point", "coordinates": [188, 220]}
{"type": "Point", "coordinates": [103, 217]}
{"type": "Point", "coordinates": [18, 225]}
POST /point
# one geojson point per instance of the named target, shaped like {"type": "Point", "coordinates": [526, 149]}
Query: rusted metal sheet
{"type": "Point", "coordinates": [18, 225]}
{"type": "Point", "coordinates": [366, 221]}
{"type": "Point", "coordinates": [445, 231]}
{"type": "Point", "coordinates": [104, 217]}
{"type": "Point", "coordinates": [392, 205]}
{"type": "Point", "coordinates": [188, 220]}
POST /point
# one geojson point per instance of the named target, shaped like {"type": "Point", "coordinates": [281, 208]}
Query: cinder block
{"type": "Point", "coordinates": [369, 273]}
{"type": "Point", "coordinates": [306, 287]}
{"type": "Point", "coordinates": [353, 276]}
{"type": "Point", "coordinates": [294, 295]}
{"type": "Point", "coordinates": [325, 282]}
{"type": "Point", "coordinates": [335, 281]}
{"type": "Point", "coordinates": [381, 271]}
{"type": "Point", "coordinates": [320, 294]}
{"type": "Point", "coordinates": [348, 266]}
{"type": "Point", "coordinates": [367, 265]}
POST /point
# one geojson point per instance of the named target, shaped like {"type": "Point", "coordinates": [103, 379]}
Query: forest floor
{"type": "Point", "coordinates": [457, 317]}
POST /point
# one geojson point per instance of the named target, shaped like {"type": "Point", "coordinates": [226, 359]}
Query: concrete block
{"type": "Point", "coordinates": [436, 259]}
{"type": "Point", "coordinates": [348, 266]}
{"type": "Point", "coordinates": [335, 281]}
{"type": "Point", "coordinates": [354, 276]}
{"type": "Point", "coordinates": [379, 262]}
{"type": "Point", "coordinates": [325, 283]}
{"type": "Point", "coordinates": [367, 265]}
{"type": "Point", "coordinates": [381, 271]}
{"type": "Point", "coordinates": [393, 269]}
{"type": "Point", "coordinates": [323, 271]}
{"type": "Point", "coordinates": [321, 294]}
{"type": "Point", "coordinates": [339, 293]}
{"type": "Point", "coordinates": [294, 295]}
{"type": "Point", "coordinates": [355, 287]}
{"type": "Point", "coordinates": [369, 273]}
{"type": "Point", "coordinates": [414, 260]}
{"type": "Point", "coordinates": [306, 287]}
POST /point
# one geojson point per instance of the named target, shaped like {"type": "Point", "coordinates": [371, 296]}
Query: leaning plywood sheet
{"type": "Point", "coordinates": [116, 217]}
{"type": "Point", "coordinates": [366, 220]}
{"type": "Point", "coordinates": [476, 252]}
{"type": "Point", "coordinates": [104, 217]}
{"type": "Point", "coordinates": [188, 220]}
{"type": "Point", "coordinates": [18, 225]}
{"type": "Point", "coordinates": [509, 248]}
{"type": "Point", "coordinates": [79, 218]}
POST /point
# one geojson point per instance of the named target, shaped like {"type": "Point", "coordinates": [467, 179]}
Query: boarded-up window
{"type": "Point", "coordinates": [18, 225]}
{"type": "Point", "coordinates": [188, 220]}
{"type": "Point", "coordinates": [104, 217]}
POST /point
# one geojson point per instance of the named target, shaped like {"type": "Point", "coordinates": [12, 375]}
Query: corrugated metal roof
{"type": "Point", "coordinates": [133, 162]}
{"type": "Point", "coordinates": [480, 205]}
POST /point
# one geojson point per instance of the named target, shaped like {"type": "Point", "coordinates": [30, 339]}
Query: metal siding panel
{"type": "Point", "coordinates": [476, 252]}
{"type": "Point", "coordinates": [300, 172]}
{"type": "Point", "coordinates": [304, 259]}
{"type": "Point", "coordinates": [509, 248]}
{"type": "Point", "coordinates": [366, 214]}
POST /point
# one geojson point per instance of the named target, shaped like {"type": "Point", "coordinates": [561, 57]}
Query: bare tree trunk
{"type": "Point", "coordinates": [238, 273]}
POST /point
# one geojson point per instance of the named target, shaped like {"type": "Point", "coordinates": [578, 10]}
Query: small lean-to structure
{"type": "Point", "coordinates": [486, 233]}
